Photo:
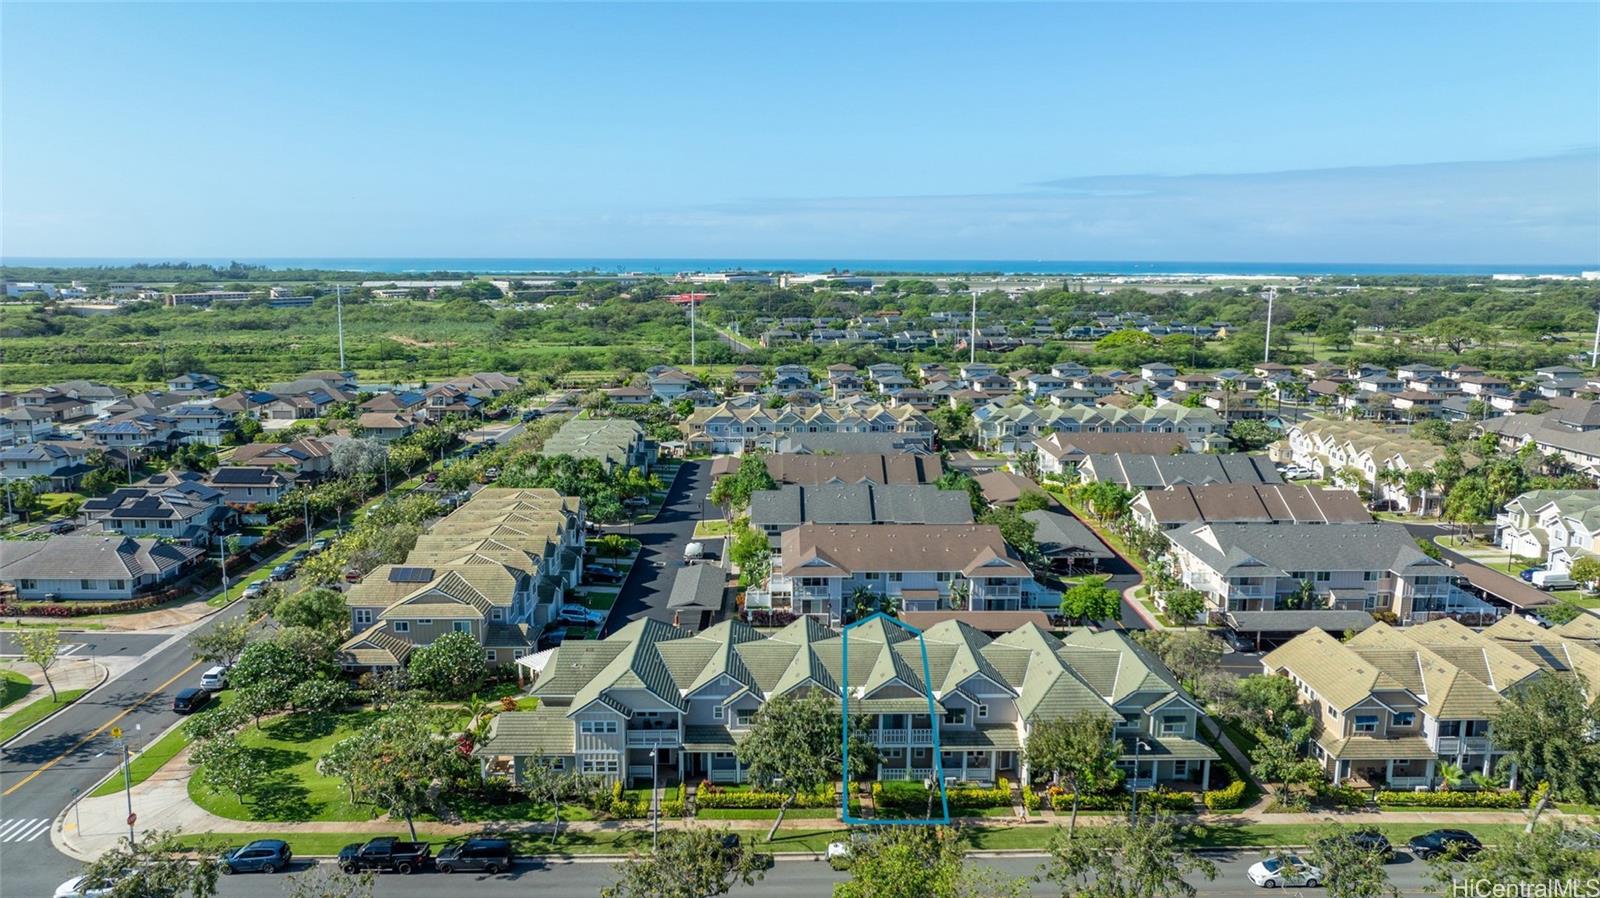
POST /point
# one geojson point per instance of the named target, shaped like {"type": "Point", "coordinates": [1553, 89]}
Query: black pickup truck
{"type": "Point", "coordinates": [384, 855]}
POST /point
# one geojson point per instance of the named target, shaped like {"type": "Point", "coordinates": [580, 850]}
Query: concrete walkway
{"type": "Point", "coordinates": [162, 802]}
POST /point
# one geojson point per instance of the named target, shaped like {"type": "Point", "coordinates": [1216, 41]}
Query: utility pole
{"type": "Point", "coordinates": [222, 560]}
{"type": "Point", "coordinates": [305, 513]}
{"type": "Point", "coordinates": [338, 305]}
{"type": "Point", "coordinates": [1594, 354]}
{"type": "Point", "coordinates": [1272, 294]}
{"type": "Point", "coordinates": [972, 335]}
{"type": "Point", "coordinates": [692, 304]}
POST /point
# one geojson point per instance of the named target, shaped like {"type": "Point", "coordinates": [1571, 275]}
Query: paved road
{"type": "Point", "coordinates": [73, 750]}
{"type": "Point", "coordinates": [84, 643]}
{"type": "Point", "coordinates": [788, 879]}
{"type": "Point", "coordinates": [644, 593]}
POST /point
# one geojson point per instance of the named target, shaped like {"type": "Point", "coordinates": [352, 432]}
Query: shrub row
{"type": "Point", "coordinates": [82, 609]}
{"type": "Point", "coordinates": [1061, 801]}
{"type": "Point", "coordinates": [910, 797]}
{"type": "Point", "coordinates": [1345, 796]}
{"type": "Point", "coordinates": [823, 797]}
{"type": "Point", "coordinates": [1030, 799]}
{"type": "Point", "coordinates": [1227, 798]}
{"type": "Point", "coordinates": [1483, 799]}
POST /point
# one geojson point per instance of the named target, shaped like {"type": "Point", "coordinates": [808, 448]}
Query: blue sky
{"type": "Point", "coordinates": [1257, 132]}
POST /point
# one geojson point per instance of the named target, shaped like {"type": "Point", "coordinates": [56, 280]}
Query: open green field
{"type": "Point", "coordinates": [35, 711]}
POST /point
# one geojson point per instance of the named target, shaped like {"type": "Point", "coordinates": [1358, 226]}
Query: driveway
{"type": "Point", "coordinates": [661, 543]}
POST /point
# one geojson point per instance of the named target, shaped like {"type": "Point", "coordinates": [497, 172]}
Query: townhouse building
{"type": "Point", "coordinates": [1395, 704]}
{"type": "Point", "coordinates": [1261, 578]}
{"type": "Point", "coordinates": [496, 568]}
{"type": "Point", "coordinates": [774, 512]}
{"type": "Point", "coordinates": [1263, 503]}
{"type": "Point", "coordinates": [731, 430]}
{"type": "Point", "coordinates": [617, 443]}
{"type": "Point", "coordinates": [1571, 430]}
{"type": "Point", "coordinates": [1553, 527]}
{"type": "Point", "coordinates": [819, 569]}
{"type": "Point", "coordinates": [1013, 428]}
{"type": "Point", "coordinates": [656, 700]}
{"type": "Point", "coordinates": [1061, 452]}
{"type": "Point", "coordinates": [1139, 472]}
{"type": "Point", "coordinates": [1356, 454]}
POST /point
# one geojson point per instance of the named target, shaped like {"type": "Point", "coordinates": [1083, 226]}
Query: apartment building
{"type": "Point", "coordinates": [168, 507]}
{"type": "Point", "coordinates": [61, 462]}
{"type": "Point", "coordinates": [1013, 428]}
{"type": "Point", "coordinates": [1061, 452]}
{"type": "Point", "coordinates": [1571, 430]}
{"type": "Point", "coordinates": [1394, 704]}
{"type": "Point", "coordinates": [818, 568]}
{"type": "Point", "coordinates": [728, 429]}
{"type": "Point", "coordinates": [1251, 573]}
{"type": "Point", "coordinates": [1554, 527]}
{"type": "Point", "coordinates": [654, 691]}
{"type": "Point", "coordinates": [1161, 471]}
{"type": "Point", "coordinates": [496, 568]}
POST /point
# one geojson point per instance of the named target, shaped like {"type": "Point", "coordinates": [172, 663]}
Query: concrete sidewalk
{"type": "Point", "coordinates": [162, 802]}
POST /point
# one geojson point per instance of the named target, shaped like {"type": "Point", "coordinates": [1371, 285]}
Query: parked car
{"type": "Point", "coordinates": [531, 414]}
{"type": "Point", "coordinates": [60, 527]}
{"type": "Point", "coordinates": [1527, 573]}
{"type": "Point", "coordinates": [320, 544]}
{"type": "Point", "coordinates": [299, 557]}
{"type": "Point", "coordinates": [491, 473]}
{"type": "Point", "coordinates": [1366, 839]}
{"type": "Point", "coordinates": [489, 443]}
{"type": "Point", "coordinates": [636, 502]}
{"type": "Point", "coordinates": [694, 552]}
{"type": "Point", "coordinates": [384, 854]}
{"type": "Point", "coordinates": [190, 699]}
{"type": "Point", "coordinates": [491, 856]}
{"type": "Point", "coordinates": [1284, 870]}
{"type": "Point", "coordinates": [600, 573]}
{"type": "Point", "coordinates": [431, 477]}
{"type": "Point", "coordinates": [1444, 842]}
{"type": "Point", "coordinates": [1553, 580]}
{"type": "Point", "coordinates": [577, 614]}
{"type": "Point", "coordinates": [282, 572]}
{"type": "Point", "coordinates": [260, 856]}
{"type": "Point", "coordinates": [77, 887]}
{"type": "Point", "coordinates": [256, 588]}
{"type": "Point", "coordinates": [214, 679]}
{"type": "Point", "coordinates": [352, 576]}
{"type": "Point", "coordinates": [552, 637]}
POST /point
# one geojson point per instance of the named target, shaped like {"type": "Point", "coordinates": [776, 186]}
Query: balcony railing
{"type": "Point", "coordinates": [1449, 745]}
{"type": "Point", "coordinates": [653, 738]}
{"type": "Point", "coordinates": [918, 736]}
{"type": "Point", "coordinates": [904, 773]}
{"type": "Point", "coordinates": [1409, 782]}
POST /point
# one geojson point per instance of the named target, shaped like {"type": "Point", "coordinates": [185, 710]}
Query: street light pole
{"type": "Point", "coordinates": [1272, 294]}
{"type": "Point", "coordinates": [127, 790]}
{"type": "Point", "coordinates": [305, 512]}
{"type": "Point", "coordinates": [222, 559]}
{"type": "Point", "coordinates": [1133, 781]}
{"type": "Point", "coordinates": [655, 806]}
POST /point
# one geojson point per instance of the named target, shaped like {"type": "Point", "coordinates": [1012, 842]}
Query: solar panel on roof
{"type": "Point", "coordinates": [410, 575]}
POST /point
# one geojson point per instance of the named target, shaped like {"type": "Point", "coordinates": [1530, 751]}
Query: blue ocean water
{"type": "Point", "coordinates": [909, 266]}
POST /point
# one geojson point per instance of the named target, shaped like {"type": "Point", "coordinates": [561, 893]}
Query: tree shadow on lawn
{"type": "Point", "coordinates": [280, 795]}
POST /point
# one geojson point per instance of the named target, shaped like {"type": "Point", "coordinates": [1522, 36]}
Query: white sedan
{"type": "Point", "coordinates": [1284, 870]}
{"type": "Point", "coordinates": [74, 888]}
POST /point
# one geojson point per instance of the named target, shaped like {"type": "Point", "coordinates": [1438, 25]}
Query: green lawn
{"type": "Point", "coordinates": [1242, 739]}
{"type": "Point", "coordinates": [600, 599]}
{"type": "Point", "coordinates": [35, 711]}
{"type": "Point", "coordinates": [711, 529]}
{"type": "Point", "coordinates": [293, 790]}
{"type": "Point", "coordinates": [238, 580]}
{"type": "Point", "coordinates": [13, 686]}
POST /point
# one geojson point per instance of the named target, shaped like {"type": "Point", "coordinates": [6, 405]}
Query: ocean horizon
{"type": "Point", "coordinates": [669, 266]}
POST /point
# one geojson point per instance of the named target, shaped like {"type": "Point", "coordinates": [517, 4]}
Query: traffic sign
{"type": "Point", "coordinates": [116, 732]}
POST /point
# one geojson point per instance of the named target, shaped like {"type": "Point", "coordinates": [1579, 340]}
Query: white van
{"type": "Point", "coordinates": [694, 552]}
{"type": "Point", "coordinates": [1547, 579]}
{"type": "Point", "coordinates": [215, 679]}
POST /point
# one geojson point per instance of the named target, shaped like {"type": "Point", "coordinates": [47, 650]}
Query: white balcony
{"type": "Point", "coordinates": [904, 773]}
{"type": "Point", "coordinates": [1409, 782]}
{"type": "Point", "coordinates": [903, 737]}
{"type": "Point", "coordinates": [757, 598]}
{"type": "Point", "coordinates": [654, 739]}
{"type": "Point", "coordinates": [1451, 745]}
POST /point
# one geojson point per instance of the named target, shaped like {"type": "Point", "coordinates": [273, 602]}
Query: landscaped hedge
{"type": "Point", "coordinates": [83, 609]}
{"type": "Point", "coordinates": [709, 796]}
{"type": "Point", "coordinates": [1030, 799]}
{"type": "Point", "coordinates": [1230, 797]}
{"type": "Point", "coordinates": [1061, 801]}
{"type": "Point", "coordinates": [1227, 798]}
{"type": "Point", "coordinates": [911, 797]}
{"type": "Point", "coordinates": [1348, 797]}
{"type": "Point", "coordinates": [1453, 799]}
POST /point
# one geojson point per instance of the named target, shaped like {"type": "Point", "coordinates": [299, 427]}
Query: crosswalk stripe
{"type": "Point", "coordinates": [35, 832]}
{"type": "Point", "coordinates": [15, 830]}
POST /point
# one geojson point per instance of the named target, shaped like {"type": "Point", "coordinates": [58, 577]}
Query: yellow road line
{"type": "Point", "coordinates": [100, 729]}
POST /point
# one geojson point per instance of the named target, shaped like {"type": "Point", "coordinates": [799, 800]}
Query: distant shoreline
{"type": "Point", "coordinates": [879, 267]}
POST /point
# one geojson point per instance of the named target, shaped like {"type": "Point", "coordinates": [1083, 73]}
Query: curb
{"type": "Point", "coordinates": [105, 674]}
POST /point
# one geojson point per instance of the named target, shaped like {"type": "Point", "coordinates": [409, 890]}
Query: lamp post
{"type": "Point", "coordinates": [222, 559]}
{"type": "Point", "coordinates": [1133, 781]}
{"type": "Point", "coordinates": [305, 513]}
{"type": "Point", "coordinates": [655, 806]}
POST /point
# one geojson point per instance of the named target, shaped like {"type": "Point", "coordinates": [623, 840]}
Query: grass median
{"type": "Point", "coordinates": [13, 687]}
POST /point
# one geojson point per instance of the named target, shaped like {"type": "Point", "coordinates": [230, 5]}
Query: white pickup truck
{"type": "Point", "coordinates": [693, 552]}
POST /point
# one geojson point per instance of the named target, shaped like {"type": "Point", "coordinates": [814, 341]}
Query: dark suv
{"type": "Point", "coordinates": [260, 856]}
{"type": "Point", "coordinates": [491, 856]}
{"type": "Point", "coordinates": [190, 700]}
{"type": "Point", "coordinates": [1445, 842]}
{"type": "Point", "coordinates": [1365, 839]}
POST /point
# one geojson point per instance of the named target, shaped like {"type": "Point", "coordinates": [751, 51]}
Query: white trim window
{"type": "Point", "coordinates": [983, 712]}
{"type": "Point", "coordinates": [401, 626]}
{"type": "Point", "coordinates": [597, 727]}
{"type": "Point", "coordinates": [600, 766]}
{"type": "Point", "coordinates": [716, 712]}
{"type": "Point", "coordinates": [363, 617]}
{"type": "Point", "coordinates": [1174, 725]}
{"type": "Point", "coordinates": [1366, 723]}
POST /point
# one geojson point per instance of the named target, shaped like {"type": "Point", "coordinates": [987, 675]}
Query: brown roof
{"type": "Point", "coordinates": [1252, 502]}
{"type": "Point", "coordinates": [825, 550]}
{"type": "Point", "coordinates": [1005, 488]}
{"type": "Point", "coordinates": [1499, 586]}
{"type": "Point", "coordinates": [1064, 445]}
{"type": "Point", "coordinates": [882, 469]}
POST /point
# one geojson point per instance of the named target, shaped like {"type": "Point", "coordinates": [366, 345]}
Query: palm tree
{"type": "Point", "coordinates": [1297, 394]}
{"type": "Point", "coordinates": [1451, 775]}
{"type": "Point", "coordinates": [1346, 390]}
{"type": "Point", "coordinates": [1229, 387]}
{"type": "Point", "coordinates": [1391, 477]}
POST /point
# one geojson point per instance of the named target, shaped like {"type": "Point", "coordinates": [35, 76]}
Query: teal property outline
{"type": "Point", "coordinates": [933, 721]}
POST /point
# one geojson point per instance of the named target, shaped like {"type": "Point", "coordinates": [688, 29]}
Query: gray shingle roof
{"type": "Point", "coordinates": [1276, 549]}
{"type": "Point", "coordinates": [859, 503]}
{"type": "Point", "coordinates": [1145, 471]}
